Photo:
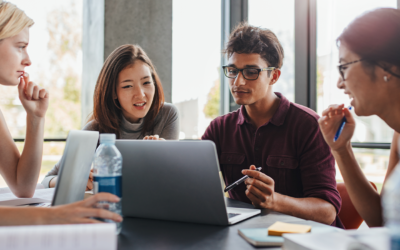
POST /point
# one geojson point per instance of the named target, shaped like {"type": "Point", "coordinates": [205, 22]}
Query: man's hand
{"type": "Point", "coordinates": [260, 188]}
{"type": "Point", "coordinates": [34, 99]}
{"type": "Point", "coordinates": [153, 137]}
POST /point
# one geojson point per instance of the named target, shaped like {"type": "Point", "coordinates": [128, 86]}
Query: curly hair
{"type": "Point", "coordinates": [249, 39]}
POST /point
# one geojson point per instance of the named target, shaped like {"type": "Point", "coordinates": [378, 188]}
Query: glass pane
{"type": "Point", "coordinates": [196, 62]}
{"type": "Point", "coordinates": [278, 16]}
{"type": "Point", "coordinates": [332, 17]}
{"type": "Point", "coordinates": [373, 162]}
{"type": "Point", "coordinates": [56, 54]}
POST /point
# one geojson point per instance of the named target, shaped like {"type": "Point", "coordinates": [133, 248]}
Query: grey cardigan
{"type": "Point", "coordinates": [166, 126]}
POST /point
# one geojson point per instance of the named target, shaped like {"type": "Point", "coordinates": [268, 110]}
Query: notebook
{"type": "Point", "coordinates": [368, 239]}
{"type": "Point", "coordinates": [60, 237]}
{"type": "Point", "coordinates": [259, 236]}
{"type": "Point", "coordinates": [42, 195]}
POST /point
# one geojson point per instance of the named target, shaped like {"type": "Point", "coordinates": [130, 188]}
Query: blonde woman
{"type": "Point", "coordinates": [21, 171]}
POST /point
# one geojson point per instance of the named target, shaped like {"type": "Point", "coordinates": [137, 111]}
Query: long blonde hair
{"type": "Point", "coordinates": [12, 20]}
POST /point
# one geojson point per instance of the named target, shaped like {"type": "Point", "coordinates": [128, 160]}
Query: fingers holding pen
{"type": "Point", "coordinates": [333, 110]}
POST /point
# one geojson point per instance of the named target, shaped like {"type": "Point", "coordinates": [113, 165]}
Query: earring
{"type": "Point", "coordinates": [385, 78]}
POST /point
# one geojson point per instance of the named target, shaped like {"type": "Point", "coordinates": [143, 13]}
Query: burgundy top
{"type": "Point", "coordinates": [290, 149]}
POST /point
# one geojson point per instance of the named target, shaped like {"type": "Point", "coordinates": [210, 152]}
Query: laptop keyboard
{"type": "Point", "coordinates": [230, 215]}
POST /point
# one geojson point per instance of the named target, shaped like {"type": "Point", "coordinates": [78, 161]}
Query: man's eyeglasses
{"type": "Point", "coordinates": [249, 73]}
{"type": "Point", "coordinates": [342, 67]}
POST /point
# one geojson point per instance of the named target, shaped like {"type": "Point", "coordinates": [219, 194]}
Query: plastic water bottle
{"type": "Point", "coordinates": [107, 169]}
{"type": "Point", "coordinates": [391, 207]}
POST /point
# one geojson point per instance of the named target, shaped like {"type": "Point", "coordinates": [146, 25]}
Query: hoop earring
{"type": "Point", "coordinates": [385, 78]}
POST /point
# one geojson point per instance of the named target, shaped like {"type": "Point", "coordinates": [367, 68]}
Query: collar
{"type": "Point", "coordinates": [277, 119]}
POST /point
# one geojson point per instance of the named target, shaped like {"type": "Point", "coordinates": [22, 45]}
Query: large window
{"type": "Point", "coordinates": [196, 61]}
{"type": "Point", "coordinates": [56, 54]}
{"type": "Point", "coordinates": [278, 16]}
{"type": "Point", "coordinates": [332, 17]}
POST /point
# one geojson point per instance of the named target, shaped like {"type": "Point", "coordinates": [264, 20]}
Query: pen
{"type": "Point", "coordinates": [340, 129]}
{"type": "Point", "coordinates": [236, 183]}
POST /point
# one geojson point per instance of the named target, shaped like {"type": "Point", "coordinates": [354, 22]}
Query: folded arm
{"type": "Point", "coordinates": [21, 172]}
{"type": "Point", "coordinates": [364, 197]}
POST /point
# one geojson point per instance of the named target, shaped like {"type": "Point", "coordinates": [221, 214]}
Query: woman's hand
{"type": "Point", "coordinates": [330, 123]}
{"type": "Point", "coordinates": [34, 99]}
{"type": "Point", "coordinates": [89, 185]}
{"type": "Point", "coordinates": [153, 137]}
{"type": "Point", "coordinates": [82, 211]}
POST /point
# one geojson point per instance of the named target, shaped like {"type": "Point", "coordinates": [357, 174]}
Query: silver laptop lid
{"type": "Point", "coordinates": [75, 166]}
{"type": "Point", "coordinates": [172, 180]}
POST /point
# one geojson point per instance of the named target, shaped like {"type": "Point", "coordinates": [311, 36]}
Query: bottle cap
{"type": "Point", "coordinates": [107, 138]}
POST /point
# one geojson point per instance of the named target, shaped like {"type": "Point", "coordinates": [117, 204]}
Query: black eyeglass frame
{"type": "Point", "coordinates": [241, 70]}
{"type": "Point", "coordinates": [340, 68]}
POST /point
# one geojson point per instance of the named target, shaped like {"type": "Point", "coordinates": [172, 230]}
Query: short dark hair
{"type": "Point", "coordinates": [375, 37]}
{"type": "Point", "coordinates": [249, 39]}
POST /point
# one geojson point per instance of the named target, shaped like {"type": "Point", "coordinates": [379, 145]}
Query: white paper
{"type": "Point", "coordinates": [6, 190]}
{"type": "Point", "coordinates": [40, 196]}
{"type": "Point", "coordinates": [375, 238]}
{"type": "Point", "coordinates": [60, 237]}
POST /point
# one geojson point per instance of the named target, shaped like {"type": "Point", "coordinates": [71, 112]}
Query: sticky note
{"type": "Point", "coordinates": [279, 228]}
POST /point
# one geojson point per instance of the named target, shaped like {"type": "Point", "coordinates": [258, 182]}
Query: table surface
{"type": "Point", "coordinates": [140, 233]}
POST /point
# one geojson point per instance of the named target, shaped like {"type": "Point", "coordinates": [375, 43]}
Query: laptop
{"type": "Point", "coordinates": [177, 181]}
{"type": "Point", "coordinates": [75, 166]}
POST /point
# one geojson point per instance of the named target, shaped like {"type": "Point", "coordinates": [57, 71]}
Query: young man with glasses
{"type": "Point", "coordinates": [268, 131]}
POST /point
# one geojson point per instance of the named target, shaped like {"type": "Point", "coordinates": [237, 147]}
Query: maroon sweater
{"type": "Point", "coordinates": [290, 149]}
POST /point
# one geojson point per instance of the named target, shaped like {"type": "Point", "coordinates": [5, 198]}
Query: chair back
{"type": "Point", "coordinates": [348, 214]}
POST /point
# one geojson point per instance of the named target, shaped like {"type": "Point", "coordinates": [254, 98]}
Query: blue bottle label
{"type": "Point", "coordinates": [395, 242]}
{"type": "Point", "coordinates": [108, 184]}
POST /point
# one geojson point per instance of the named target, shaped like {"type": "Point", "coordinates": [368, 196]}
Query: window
{"type": "Point", "coordinates": [278, 16]}
{"type": "Point", "coordinates": [56, 54]}
{"type": "Point", "coordinates": [196, 61]}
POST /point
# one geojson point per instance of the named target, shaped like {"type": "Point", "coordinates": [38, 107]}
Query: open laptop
{"type": "Point", "coordinates": [175, 180]}
{"type": "Point", "coordinates": [75, 166]}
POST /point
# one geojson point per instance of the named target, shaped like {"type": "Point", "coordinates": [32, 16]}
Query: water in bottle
{"type": "Point", "coordinates": [391, 207]}
{"type": "Point", "coordinates": [107, 169]}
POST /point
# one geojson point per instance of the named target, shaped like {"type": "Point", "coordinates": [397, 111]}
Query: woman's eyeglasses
{"type": "Point", "coordinates": [248, 74]}
{"type": "Point", "coordinates": [342, 67]}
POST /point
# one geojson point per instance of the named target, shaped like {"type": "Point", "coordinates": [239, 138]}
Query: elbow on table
{"type": "Point", "coordinates": [330, 215]}
{"type": "Point", "coordinates": [23, 192]}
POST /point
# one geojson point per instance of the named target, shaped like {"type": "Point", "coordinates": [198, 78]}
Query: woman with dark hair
{"type": "Point", "coordinates": [129, 102]}
{"type": "Point", "coordinates": [369, 50]}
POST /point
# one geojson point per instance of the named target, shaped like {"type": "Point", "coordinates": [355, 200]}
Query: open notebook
{"type": "Point", "coordinates": [60, 237]}
{"type": "Point", "coordinates": [42, 195]}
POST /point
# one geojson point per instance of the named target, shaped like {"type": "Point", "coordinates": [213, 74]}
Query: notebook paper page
{"type": "Point", "coordinates": [60, 237]}
{"type": "Point", "coordinates": [41, 195]}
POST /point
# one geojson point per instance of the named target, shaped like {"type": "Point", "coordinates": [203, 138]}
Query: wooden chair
{"type": "Point", "coordinates": [348, 213]}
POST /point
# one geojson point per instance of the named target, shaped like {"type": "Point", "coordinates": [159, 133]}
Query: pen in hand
{"type": "Point", "coordinates": [236, 183]}
{"type": "Point", "coordinates": [340, 129]}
